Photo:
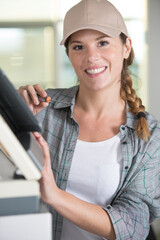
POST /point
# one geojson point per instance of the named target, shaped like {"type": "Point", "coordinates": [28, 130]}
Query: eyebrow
{"type": "Point", "coordinates": [104, 36]}
{"type": "Point", "coordinates": [75, 42]}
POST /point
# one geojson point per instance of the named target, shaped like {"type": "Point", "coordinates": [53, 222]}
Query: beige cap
{"type": "Point", "coordinates": [98, 15]}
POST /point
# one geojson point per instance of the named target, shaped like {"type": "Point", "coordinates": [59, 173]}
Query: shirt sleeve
{"type": "Point", "coordinates": [138, 202]}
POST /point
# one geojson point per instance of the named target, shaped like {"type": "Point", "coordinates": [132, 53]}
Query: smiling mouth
{"type": "Point", "coordinates": [95, 70]}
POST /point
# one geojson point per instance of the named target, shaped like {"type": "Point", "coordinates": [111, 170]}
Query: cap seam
{"type": "Point", "coordinates": [86, 4]}
{"type": "Point", "coordinates": [118, 24]}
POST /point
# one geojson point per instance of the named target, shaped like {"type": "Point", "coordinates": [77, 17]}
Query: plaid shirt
{"type": "Point", "coordinates": [137, 201]}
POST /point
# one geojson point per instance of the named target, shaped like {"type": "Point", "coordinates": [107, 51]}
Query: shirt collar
{"type": "Point", "coordinates": [66, 98]}
{"type": "Point", "coordinates": [63, 98]}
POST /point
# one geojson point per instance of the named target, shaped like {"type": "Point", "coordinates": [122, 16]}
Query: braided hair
{"type": "Point", "coordinates": [129, 94]}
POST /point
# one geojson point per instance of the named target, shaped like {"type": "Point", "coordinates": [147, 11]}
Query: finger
{"type": "Point", "coordinates": [36, 134]}
{"type": "Point", "coordinates": [32, 93]}
{"type": "Point", "coordinates": [40, 90]}
{"type": "Point", "coordinates": [45, 149]}
{"type": "Point", "coordinates": [29, 94]}
{"type": "Point", "coordinates": [24, 94]}
{"type": "Point", "coordinates": [28, 100]}
{"type": "Point", "coordinates": [43, 104]}
{"type": "Point", "coordinates": [20, 90]}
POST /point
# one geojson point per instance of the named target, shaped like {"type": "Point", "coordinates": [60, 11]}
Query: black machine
{"type": "Point", "coordinates": [20, 119]}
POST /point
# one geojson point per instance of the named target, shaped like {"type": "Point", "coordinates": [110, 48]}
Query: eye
{"type": "Point", "coordinates": [103, 43]}
{"type": "Point", "coordinates": [77, 47]}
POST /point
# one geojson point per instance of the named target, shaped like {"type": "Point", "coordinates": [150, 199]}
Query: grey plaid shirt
{"type": "Point", "coordinates": [137, 200]}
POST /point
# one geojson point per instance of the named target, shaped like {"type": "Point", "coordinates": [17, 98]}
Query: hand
{"type": "Point", "coordinates": [48, 187]}
{"type": "Point", "coordinates": [29, 94]}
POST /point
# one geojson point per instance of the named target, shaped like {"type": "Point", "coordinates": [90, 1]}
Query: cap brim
{"type": "Point", "coordinates": [112, 32]}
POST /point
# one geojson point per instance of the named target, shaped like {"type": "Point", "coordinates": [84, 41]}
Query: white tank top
{"type": "Point", "coordinates": [94, 177]}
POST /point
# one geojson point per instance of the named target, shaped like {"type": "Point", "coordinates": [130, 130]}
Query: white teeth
{"type": "Point", "coordinates": [95, 70]}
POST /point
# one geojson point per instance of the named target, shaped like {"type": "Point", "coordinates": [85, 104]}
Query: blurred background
{"type": "Point", "coordinates": [30, 51]}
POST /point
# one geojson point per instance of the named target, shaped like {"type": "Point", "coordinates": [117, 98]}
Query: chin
{"type": "Point", "coordinates": [97, 88]}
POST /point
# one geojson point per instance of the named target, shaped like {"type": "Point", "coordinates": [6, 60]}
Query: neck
{"type": "Point", "coordinates": [100, 103]}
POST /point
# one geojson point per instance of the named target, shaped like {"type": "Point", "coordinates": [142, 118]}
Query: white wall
{"type": "Point", "coordinates": [24, 10]}
{"type": "Point", "coordinates": [153, 39]}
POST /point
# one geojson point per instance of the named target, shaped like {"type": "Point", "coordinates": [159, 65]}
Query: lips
{"type": "Point", "coordinates": [94, 71]}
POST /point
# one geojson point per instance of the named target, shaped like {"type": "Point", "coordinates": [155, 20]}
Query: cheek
{"type": "Point", "coordinates": [77, 63]}
{"type": "Point", "coordinates": [110, 55]}
{"type": "Point", "coordinates": [74, 62]}
{"type": "Point", "coordinates": [117, 58]}
{"type": "Point", "coordinates": [77, 67]}
{"type": "Point", "coordinates": [113, 56]}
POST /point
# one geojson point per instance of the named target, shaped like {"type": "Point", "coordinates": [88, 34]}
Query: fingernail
{"type": "Point", "coordinates": [36, 133]}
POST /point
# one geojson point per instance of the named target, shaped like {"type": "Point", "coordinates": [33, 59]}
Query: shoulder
{"type": "Point", "coordinates": [152, 147]}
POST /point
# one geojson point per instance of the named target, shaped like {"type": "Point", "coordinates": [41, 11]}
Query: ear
{"type": "Point", "coordinates": [127, 47]}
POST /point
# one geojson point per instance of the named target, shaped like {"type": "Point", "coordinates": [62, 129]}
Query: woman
{"type": "Point", "coordinates": [103, 178]}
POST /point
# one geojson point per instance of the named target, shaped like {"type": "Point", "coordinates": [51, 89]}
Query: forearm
{"type": "Point", "coordinates": [87, 216]}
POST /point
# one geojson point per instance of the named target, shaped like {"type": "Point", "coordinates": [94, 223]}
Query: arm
{"type": "Point", "coordinates": [138, 203]}
{"type": "Point", "coordinates": [29, 94]}
{"type": "Point", "coordinates": [90, 217]}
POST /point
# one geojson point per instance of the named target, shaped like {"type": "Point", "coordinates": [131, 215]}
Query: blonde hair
{"type": "Point", "coordinates": [129, 94]}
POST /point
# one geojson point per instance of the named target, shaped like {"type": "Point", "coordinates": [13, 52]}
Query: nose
{"type": "Point", "coordinates": [92, 56]}
{"type": "Point", "coordinates": [92, 59]}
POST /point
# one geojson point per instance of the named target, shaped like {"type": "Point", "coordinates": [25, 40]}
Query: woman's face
{"type": "Point", "coordinates": [97, 58]}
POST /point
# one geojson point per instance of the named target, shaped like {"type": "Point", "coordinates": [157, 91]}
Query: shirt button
{"type": "Point", "coordinates": [108, 207]}
{"type": "Point", "coordinates": [123, 128]}
{"type": "Point", "coordinates": [126, 167]}
{"type": "Point", "coordinates": [124, 143]}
